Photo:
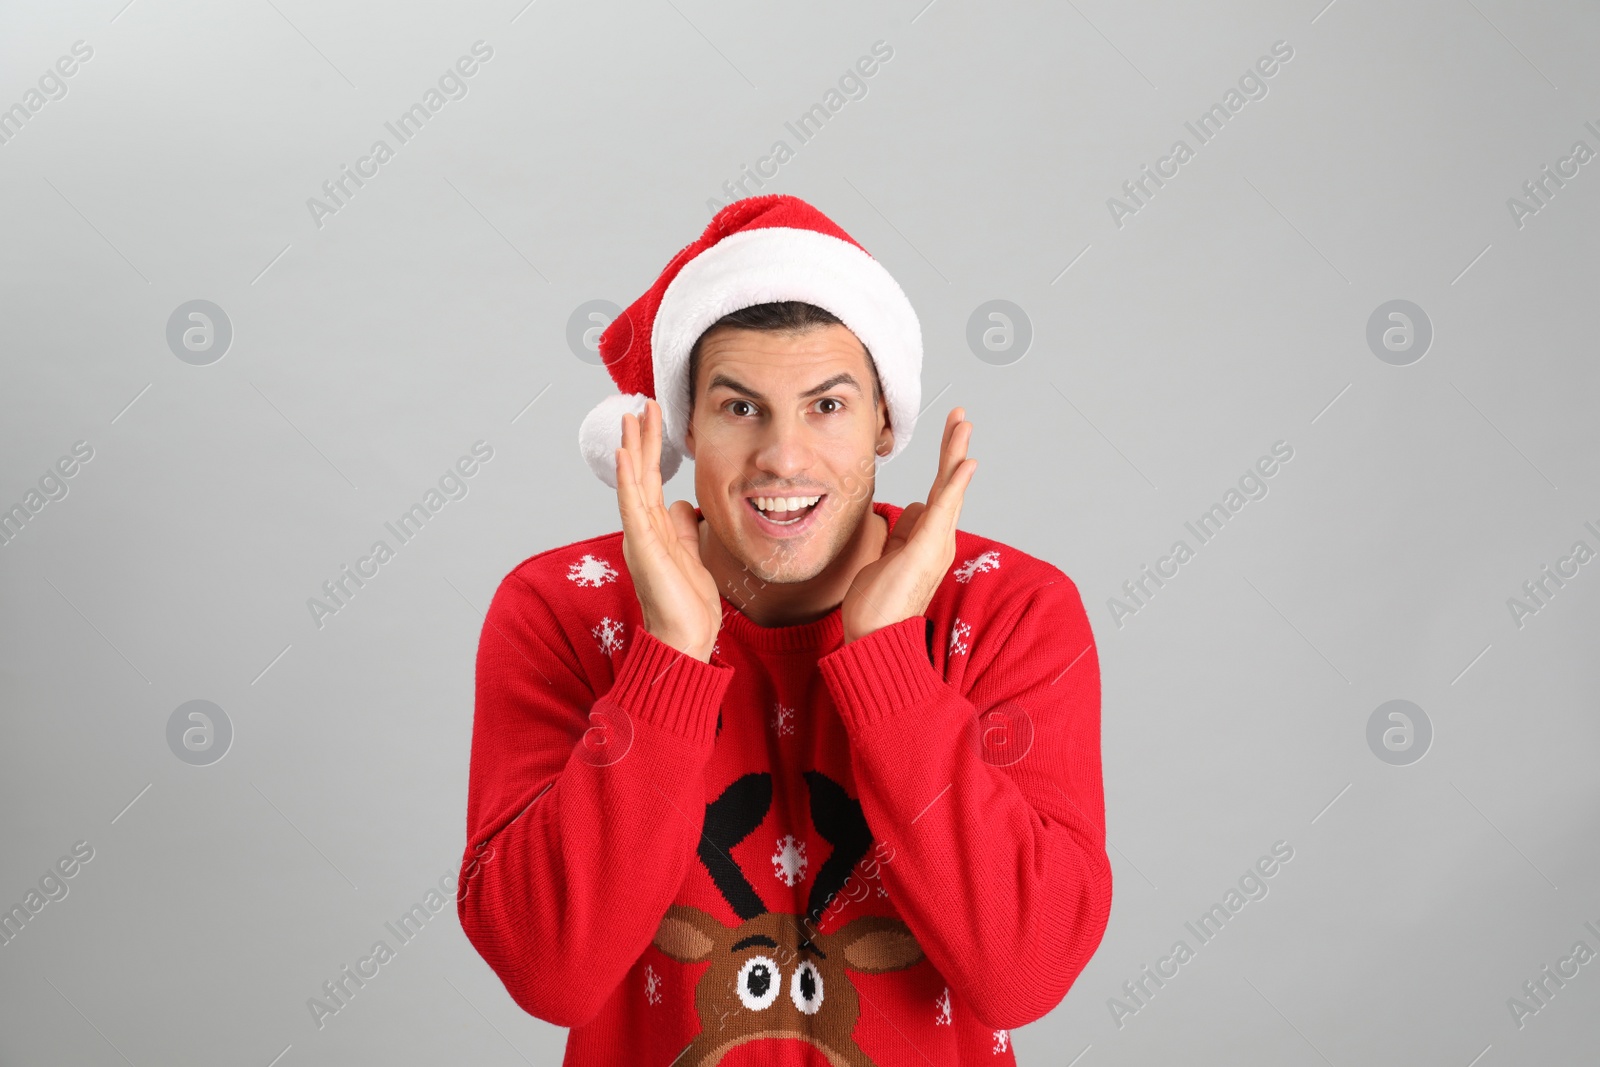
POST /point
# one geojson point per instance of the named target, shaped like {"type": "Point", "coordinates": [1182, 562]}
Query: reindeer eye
{"type": "Point", "coordinates": [759, 980]}
{"type": "Point", "coordinates": [805, 988]}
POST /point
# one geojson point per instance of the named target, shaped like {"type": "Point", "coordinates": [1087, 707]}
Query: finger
{"type": "Point", "coordinates": [630, 443]}
{"type": "Point", "coordinates": [633, 439]}
{"type": "Point", "coordinates": [952, 450]}
{"type": "Point", "coordinates": [939, 521]}
{"type": "Point", "coordinates": [628, 502]}
{"type": "Point", "coordinates": [641, 533]}
{"type": "Point", "coordinates": [650, 469]}
{"type": "Point", "coordinates": [633, 445]}
{"type": "Point", "coordinates": [951, 421]}
{"type": "Point", "coordinates": [945, 511]}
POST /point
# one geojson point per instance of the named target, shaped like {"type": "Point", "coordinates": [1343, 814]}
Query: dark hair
{"type": "Point", "coordinates": [784, 316]}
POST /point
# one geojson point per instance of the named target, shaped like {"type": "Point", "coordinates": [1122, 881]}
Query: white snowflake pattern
{"type": "Point", "coordinates": [652, 985]}
{"type": "Point", "coordinates": [1002, 1039]}
{"type": "Point", "coordinates": [943, 1004]}
{"type": "Point", "coordinates": [782, 720]}
{"type": "Point", "coordinates": [609, 634]}
{"type": "Point", "coordinates": [988, 561]}
{"type": "Point", "coordinates": [591, 571]}
{"type": "Point", "coordinates": [959, 632]}
{"type": "Point", "coordinates": [789, 861]}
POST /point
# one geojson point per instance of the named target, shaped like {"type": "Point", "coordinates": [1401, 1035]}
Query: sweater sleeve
{"type": "Point", "coordinates": [583, 810]}
{"type": "Point", "coordinates": [992, 799]}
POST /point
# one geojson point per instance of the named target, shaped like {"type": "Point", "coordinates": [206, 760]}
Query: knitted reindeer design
{"type": "Point", "coordinates": [774, 976]}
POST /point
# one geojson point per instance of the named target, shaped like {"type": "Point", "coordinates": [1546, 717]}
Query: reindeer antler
{"type": "Point", "coordinates": [842, 824]}
{"type": "Point", "coordinates": [730, 819]}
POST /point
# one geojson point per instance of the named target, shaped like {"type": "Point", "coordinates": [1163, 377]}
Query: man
{"type": "Point", "coordinates": [793, 776]}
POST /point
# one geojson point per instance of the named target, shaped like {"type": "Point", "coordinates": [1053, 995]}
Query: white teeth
{"type": "Point", "coordinates": [784, 503]}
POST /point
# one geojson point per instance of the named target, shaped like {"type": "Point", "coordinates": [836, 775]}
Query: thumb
{"type": "Point", "coordinates": [904, 525]}
{"type": "Point", "coordinates": [686, 526]}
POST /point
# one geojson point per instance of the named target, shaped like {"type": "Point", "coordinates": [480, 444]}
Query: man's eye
{"type": "Point", "coordinates": [837, 404]}
{"type": "Point", "coordinates": [737, 406]}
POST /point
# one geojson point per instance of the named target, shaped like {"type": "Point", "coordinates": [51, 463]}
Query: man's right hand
{"type": "Point", "coordinates": [661, 545]}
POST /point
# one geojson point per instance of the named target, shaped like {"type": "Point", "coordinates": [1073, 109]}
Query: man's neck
{"type": "Point", "coordinates": [793, 603]}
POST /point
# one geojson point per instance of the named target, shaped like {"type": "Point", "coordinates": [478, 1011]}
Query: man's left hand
{"type": "Point", "coordinates": [920, 548]}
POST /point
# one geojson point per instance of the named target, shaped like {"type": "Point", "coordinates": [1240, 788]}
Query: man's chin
{"type": "Point", "coordinates": [793, 561]}
{"type": "Point", "coordinates": [777, 563]}
{"type": "Point", "coordinates": [780, 562]}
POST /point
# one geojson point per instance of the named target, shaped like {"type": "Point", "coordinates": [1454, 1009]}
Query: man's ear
{"type": "Point", "coordinates": [885, 442]}
{"type": "Point", "coordinates": [688, 437]}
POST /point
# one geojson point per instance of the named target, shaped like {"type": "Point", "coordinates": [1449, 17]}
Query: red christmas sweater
{"type": "Point", "coordinates": [802, 852]}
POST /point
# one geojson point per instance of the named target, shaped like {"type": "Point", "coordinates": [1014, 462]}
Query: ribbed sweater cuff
{"type": "Point", "coordinates": [876, 676]}
{"type": "Point", "coordinates": [670, 689]}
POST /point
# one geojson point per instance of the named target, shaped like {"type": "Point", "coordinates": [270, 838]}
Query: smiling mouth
{"type": "Point", "coordinates": [784, 512]}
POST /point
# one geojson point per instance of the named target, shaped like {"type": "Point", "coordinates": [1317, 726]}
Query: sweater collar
{"type": "Point", "coordinates": [825, 632]}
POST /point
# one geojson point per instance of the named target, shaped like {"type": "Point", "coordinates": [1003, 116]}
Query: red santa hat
{"type": "Point", "coordinates": [755, 251]}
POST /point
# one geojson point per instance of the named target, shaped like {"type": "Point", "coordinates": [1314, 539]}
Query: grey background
{"type": "Point", "coordinates": [370, 353]}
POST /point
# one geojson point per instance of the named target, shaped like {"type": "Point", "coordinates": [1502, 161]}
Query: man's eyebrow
{"type": "Point", "coordinates": [723, 380]}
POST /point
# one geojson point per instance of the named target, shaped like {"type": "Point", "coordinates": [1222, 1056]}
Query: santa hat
{"type": "Point", "coordinates": [755, 251]}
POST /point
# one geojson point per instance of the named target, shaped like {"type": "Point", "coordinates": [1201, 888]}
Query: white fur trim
{"type": "Point", "coordinates": [783, 263]}
{"type": "Point", "coordinates": [600, 435]}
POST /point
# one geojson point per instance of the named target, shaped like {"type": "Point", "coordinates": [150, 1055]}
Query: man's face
{"type": "Point", "coordinates": [780, 415]}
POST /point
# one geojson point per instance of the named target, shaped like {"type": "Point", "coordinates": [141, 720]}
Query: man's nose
{"type": "Point", "coordinates": [785, 447]}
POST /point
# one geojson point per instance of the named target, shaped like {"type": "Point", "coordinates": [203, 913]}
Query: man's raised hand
{"type": "Point", "coordinates": [661, 545]}
{"type": "Point", "coordinates": [919, 550]}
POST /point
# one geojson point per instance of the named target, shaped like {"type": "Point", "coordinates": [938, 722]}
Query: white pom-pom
{"type": "Point", "coordinates": [600, 435]}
